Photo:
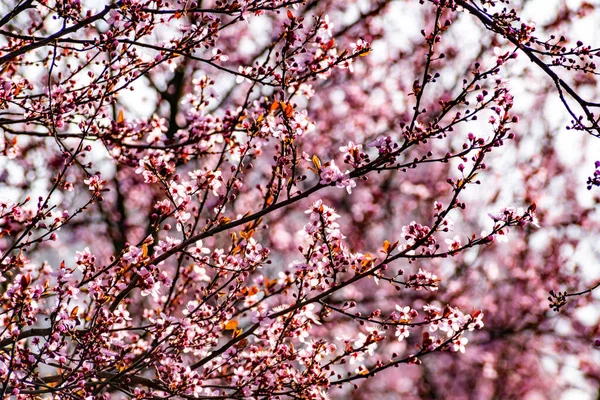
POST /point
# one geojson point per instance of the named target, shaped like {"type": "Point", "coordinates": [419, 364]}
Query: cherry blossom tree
{"type": "Point", "coordinates": [299, 199]}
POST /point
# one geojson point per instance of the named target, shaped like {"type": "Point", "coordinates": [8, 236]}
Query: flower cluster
{"type": "Point", "coordinates": [330, 173]}
{"type": "Point", "coordinates": [353, 155]}
{"type": "Point", "coordinates": [284, 127]}
{"type": "Point", "coordinates": [162, 236]}
{"type": "Point", "coordinates": [423, 280]}
{"type": "Point", "coordinates": [419, 236]}
{"type": "Point", "coordinates": [594, 180]}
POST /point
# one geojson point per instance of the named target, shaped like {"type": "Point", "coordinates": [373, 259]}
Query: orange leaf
{"type": "Point", "coordinates": [247, 234]}
{"type": "Point", "coordinates": [270, 199]}
{"type": "Point", "coordinates": [316, 162]}
{"type": "Point", "coordinates": [270, 283]}
{"type": "Point", "coordinates": [386, 246]}
{"type": "Point", "coordinates": [532, 207]}
{"type": "Point", "coordinates": [231, 325]}
{"type": "Point", "coordinates": [288, 110]}
{"type": "Point", "coordinates": [367, 260]}
{"type": "Point", "coordinates": [120, 118]}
